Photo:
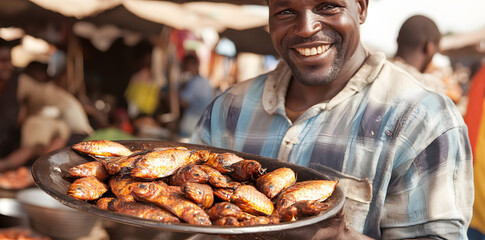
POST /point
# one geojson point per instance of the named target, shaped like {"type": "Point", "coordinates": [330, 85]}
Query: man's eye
{"type": "Point", "coordinates": [285, 12]}
{"type": "Point", "coordinates": [328, 8]}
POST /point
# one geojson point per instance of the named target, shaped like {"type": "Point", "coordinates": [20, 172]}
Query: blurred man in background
{"type": "Point", "coordinates": [418, 42]}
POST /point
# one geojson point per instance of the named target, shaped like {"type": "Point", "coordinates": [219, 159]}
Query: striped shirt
{"type": "Point", "coordinates": [400, 152]}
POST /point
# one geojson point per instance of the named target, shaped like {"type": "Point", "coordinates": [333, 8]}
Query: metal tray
{"type": "Point", "coordinates": [50, 173]}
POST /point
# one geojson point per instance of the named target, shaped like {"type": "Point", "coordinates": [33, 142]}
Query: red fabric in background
{"type": "Point", "coordinates": [475, 106]}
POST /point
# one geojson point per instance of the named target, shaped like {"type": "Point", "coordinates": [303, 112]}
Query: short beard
{"type": "Point", "coordinates": [320, 80]}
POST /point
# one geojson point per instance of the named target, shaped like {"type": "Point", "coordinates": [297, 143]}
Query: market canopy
{"type": "Point", "coordinates": [232, 19]}
{"type": "Point", "coordinates": [197, 15]}
{"type": "Point", "coordinates": [184, 15]}
{"type": "Point", "coordinates": [77, 8]}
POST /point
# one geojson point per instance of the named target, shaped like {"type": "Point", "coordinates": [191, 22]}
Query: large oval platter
{"type": "Point", "coordinates": [50, 173]}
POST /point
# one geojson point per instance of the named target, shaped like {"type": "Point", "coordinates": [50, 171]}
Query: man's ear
{"type": "Point", "coordinates": [430, 48]}
{"type": "Point", "coordinates": [362, 8]}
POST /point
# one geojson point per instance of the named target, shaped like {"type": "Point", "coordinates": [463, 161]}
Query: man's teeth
{"type": "Point", "coordinates": [312, 51]}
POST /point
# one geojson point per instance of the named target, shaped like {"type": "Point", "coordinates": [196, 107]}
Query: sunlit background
{"type": "Point", "coordinates": [385, 17]}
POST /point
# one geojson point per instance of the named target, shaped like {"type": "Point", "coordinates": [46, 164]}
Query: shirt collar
{"type": "Point", "coordinates": [278, 80]}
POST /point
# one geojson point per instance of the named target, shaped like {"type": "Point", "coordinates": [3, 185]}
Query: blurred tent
{"type": "Point", "coordinates": [471, 43]}
{"type": "Point", "coordinates": [236, 2]}
{"type": "Point", "coordinates": [32, 18]}
{"type": "Point", "coordinates": [119, 16]}
{"type": "Point", "coordinates": [77, 8]}
{"type": "Point", "coordinates": [198, 15]}
{"type": "Point", "coordinates": [190, 15]}
{"type": "Point", "coordinates": [181, 15]}
{"type": "Point", "coordinates": [467, 49]}
{"type": "Point", "coordinates": [42, 18]}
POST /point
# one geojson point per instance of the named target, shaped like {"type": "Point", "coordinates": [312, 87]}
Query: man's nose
{"type": "Point", "coordinates": [308, 24]}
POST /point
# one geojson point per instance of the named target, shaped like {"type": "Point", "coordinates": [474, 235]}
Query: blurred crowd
{"type": "Point", "coordinates": [149, 90]}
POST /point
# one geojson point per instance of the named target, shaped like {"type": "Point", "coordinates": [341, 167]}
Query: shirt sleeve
{"type": "Point", "coordinates": [431, 195]}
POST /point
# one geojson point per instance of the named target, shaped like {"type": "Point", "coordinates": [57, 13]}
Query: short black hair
{"type": "Point", "coordinates": [417, 30]}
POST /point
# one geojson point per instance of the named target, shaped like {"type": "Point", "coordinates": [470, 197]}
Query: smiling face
{"type": "Point", "coordinates": [319, 39]}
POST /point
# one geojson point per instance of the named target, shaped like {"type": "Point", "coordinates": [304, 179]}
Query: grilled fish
{"type": "Point", "coordinates": [246, 170]}
{"type": "Point", "coordinates": [216, 178]}
{"type": "Point", "coordinates": [312, 190]}
{"type": "Point", "coordinates": [227, 209]}
{"type": "Point", "coordinates": [124, 164]}
{"type": "Point", "coordinates": [224, 194]}
{"type": "Point", "coordinates": [225, 213]}
{"type": "Point", "coordinates": [160, 194]}
{"type": "Point", "coordinates": [94, 169]}
{"type": "Point", "coordinates": [121, 186]}
{"type": "Point", "coordinates": [158, 164]}
{"type": "Point", "coordinates": [102, 148]}
{"type": "Point", "coordinates": [259, 220]}
{"type": "Point", "coordinates": [223, 161]}
{"type": "Point", "coordinates": [117, 165]}
{"type": "Point", "coordinates": [227, 221]}
{"type": "Point", "coordinates": [103, 203]}
{"type": "Point", "coordinates": [248, 198]}
{"type": "Point", "coordinates": [300, 209]}
{"type": "Point", "coordinates": [310, 208]}
{"type": "Point", "coordinates": [271, 184]}
{"type": "Point", "coordinates": [201, 174]}
{"type": "Point", "coordinates": [87, 188]}
{"type": "Point", "coordinates": [190, 173]}
{"type": "Point", "coordinates": [137, 209]}
{"type": "Point", "coordinates": [201, 194]}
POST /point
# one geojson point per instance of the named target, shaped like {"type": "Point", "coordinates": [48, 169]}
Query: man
{"type": "Point", "coordinates": [418, 41]}
{"type": "Point", "coordinates": [400, 152]}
